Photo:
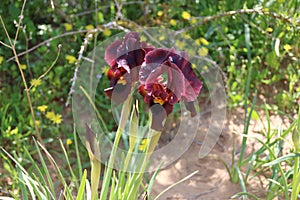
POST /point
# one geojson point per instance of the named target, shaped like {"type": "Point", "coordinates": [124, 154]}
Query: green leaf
{"type": "Point", "coordinates": [276, 47]}
{"type": "Point", "coordinates": [149, 188]}
{"type": "Point", "coordinates": [80, 194]}
{"type": "Point", "coordinates": [271, 59]}
{"type": "Point", "coordinates": [281, 159]}
{"type": "Point", "coordinates": [254, 114]}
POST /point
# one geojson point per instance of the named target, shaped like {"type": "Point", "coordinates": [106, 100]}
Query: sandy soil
{"type": "Point", "coordinates": [212, 181]}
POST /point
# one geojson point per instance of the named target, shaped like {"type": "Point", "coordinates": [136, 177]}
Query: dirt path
{"type": "Point", "coordinates": [212, 181]}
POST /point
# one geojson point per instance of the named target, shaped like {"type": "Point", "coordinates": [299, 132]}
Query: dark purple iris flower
{"type": "Point", "coordinates": [124, 58]}
{"type": "Point", "coordinates": [181, 83]}
{"type": "Point", "coordinates": [165, 76]}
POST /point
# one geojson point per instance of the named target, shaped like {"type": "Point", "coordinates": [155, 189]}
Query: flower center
{"type": "Point", "coordinates": [158, 100]}
{"type": "Point", "coordinates": [122, 81]}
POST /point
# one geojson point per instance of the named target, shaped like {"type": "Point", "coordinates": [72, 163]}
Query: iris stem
{"type": "Point", "coordinates": [95, 177]}
{"type": "Point", "coordinates": [107, 178]}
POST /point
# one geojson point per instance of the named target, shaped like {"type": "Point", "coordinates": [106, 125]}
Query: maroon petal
{"type": "Point", "coordinates": [139, 57]}
{"type": "Point", "coordinates": [190, 106]}
{"type": "Point", "coordinates": [120, 93]}
{"type": "Point", "coordinates": [176, 80]}
{"type": "Point", "coordinates": [132, 35]}
{"type": "Point", "coordinates": [157, 56]}
{"type": "Point", "coordinates": [147, 47]}
{"type": "Point", "coordinates": [158, 116]}
{"type": "Point", "coordinates": [110, 73]}
{"type": "Point", "coordinates": [127, 46]}
{"type": "Point", "coordinates": [192, 84]}
{"type": "Point", "coordinates": [111, 53]}
{"type": "Point", "coordinates": [168, 108]}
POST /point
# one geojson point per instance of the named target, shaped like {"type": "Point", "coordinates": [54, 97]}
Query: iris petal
{"type": "Point", "coordinates": [111, 53]}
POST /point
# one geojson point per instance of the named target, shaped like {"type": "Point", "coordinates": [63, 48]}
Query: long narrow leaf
{"type": "Point", "coordinates": [149, 188]}
{"type": "Point", "coordinates": [80, 194]}
{"type": "Point", "coordinates": [173, 185]}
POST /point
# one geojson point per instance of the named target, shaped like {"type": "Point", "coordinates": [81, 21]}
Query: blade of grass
{"type": "Point", "coordinates": [282, 159]}
{"type": "Point", "coordinates": [51, 159]}
{"type": "Point", "coordinates": [250, 167]}
{"type": "Point", "coordinates": [22, 185]}
{"type": "Point", "coordinates": [103, 124]}
{"type": "Point", "coordinates": [296, 174]}
{"type": "Point", "coordinates": [113, 186]}
{"type": "Point", "coordinates": [241, 180]}
{"type": "Point", "coordinates": [150, 185]}
{"type": "Point", "coordinates": [269, 123]}
{"type": "Point", "coordinates": [245, 193]}
{"type": "Point", "coordinates": [68, 163]}
{"type": "Point", "coordinates": [173, 185]}
{"type": "Point", "coordinates": [77, 152]}
{"type": "Point", "coordinates": [80, 194]}
{"type": "Point", "coordinates": [247, 90]}
{"type": "Point", "coordinates": [40, 190]}
{"type": "Point", "coordinates": [30, 185]}
{"type": "Point", "coordinates": [45, 169]}
{"type": "Point", "coordinates": [107, 177]}
{"type": "Point", "coordinates": [133, 131]}
{"type": "Point", "coordinates": [36, 167]}
{"type": "Point", "coordinates": [18, 165]}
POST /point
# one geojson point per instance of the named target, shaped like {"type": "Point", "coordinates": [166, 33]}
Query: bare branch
{"type": "Point", "coordinates": [47, 41]}
{"type": "Point", "coordinates": [20, 22]}
{"type": "Point", "coordinates": [52, 65]}
{"type": "Point", "coordinates": [5, 30]}
{"type": "Point", "coordinates": [230, 13]}
{"type": "Point", "coordinates": [6, 45]}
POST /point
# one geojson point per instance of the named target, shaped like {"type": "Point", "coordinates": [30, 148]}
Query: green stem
{"type": "Point", "coordinates": [107, 177]}
{"type": "Point", "coordinates": [95, 177]}
{"type": "Point", "coordinates": [295, 183]}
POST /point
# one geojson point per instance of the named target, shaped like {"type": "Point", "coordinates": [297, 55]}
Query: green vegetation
{"type": "Point", "coordinates": [255, 43]}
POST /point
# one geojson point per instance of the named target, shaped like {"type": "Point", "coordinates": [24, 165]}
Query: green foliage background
{"type": "Point", "coordinates": [265, 41]}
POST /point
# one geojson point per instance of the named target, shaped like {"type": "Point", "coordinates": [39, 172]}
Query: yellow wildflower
{"type": "Point", "coordinates": [143, 38]}
{"type": "Point", "coordinates": [205, 68]}
{"type": "Point", "coordinates": [287, 47]}
{"type": "Point", "coordinates": [42, 108]}
{"type": "Point", "coordinates": [203, 51]}
{"type": "Point", "coordinates": [57, 119]}
{"type": "Point", "coordinates": [185, 15]}
{"type": "Point", "coordinates": [23, 66]}
{"type": "Point", "coordinates": [106, 32]}
{"type": "Point", "coordinates": [269, 29]}
{"type": "Point", "coordinates": [265, 9]}
{"type": "Point", "coordinates": [204, 41]}
{"type": "Point", "coordinates": [69, 141]}
{"type": "Point", "coordinates": [71, 59]}
{"type": "Point", "coordinates": [160, 13]}
{"type": "Point", "coordinates": [68, 26]}
{"type": "Point", "coordinates": [187, 36]}
{"type": "Point", "coordinates": [280, 1]}
{"type": "Point", "coordinates": [50, 115]}
{"type": "Point", "coordinates": [193, 21]}
{"type": "Point", "coordinates": [173, 22]}
{"type": "Point", "coordinates": [89, 27]}
{"type": "Point", "coordinates": [161, 38]}
{"type": "Point", "coordinates": [1, 59]}
{"type": "Point", "coordinates": [14, 131]}
{"type": "Point", "coordinates": [36, 82]}
{"type": "Point", "coordinates": [143, 144]}
{"type": "Point", "coordinates": [180, 44]}
{"type": "Point", "coordinates": [38, 123]}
